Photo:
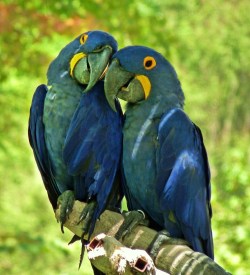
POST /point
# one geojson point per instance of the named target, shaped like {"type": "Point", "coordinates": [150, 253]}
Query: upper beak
{"type": "Point", "coordinates": [98, 63]}
{"type": "Point", "coordinates": [115, 79]}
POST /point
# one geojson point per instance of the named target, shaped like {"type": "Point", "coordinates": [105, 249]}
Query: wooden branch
{"type": "Point", "coordinates": [111, 257]}
{"type": "Point", "coordinates": [174, 257]}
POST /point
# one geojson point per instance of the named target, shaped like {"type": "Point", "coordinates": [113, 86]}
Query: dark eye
{"type": "Point", "coordinates": [83, 38]}
{"type": "Point", "coordinates": [99, 48]}
{"type": "Point", "coordinates": [149, 62]}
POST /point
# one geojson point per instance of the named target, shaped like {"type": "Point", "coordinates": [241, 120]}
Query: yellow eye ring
{"type": "Point", "coordinates": [149, 62]}
{"type": "Point", "coordinates": [83, 38]}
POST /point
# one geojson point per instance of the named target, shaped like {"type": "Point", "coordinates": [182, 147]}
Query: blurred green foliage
{"type": "Point", "coordinates": [208, 42]}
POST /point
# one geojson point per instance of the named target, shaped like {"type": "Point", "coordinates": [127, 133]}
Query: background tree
{"type": "Point", "coordinates": [209, 45]}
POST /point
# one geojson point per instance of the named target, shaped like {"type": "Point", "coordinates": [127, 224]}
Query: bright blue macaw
{"type": "Point", "coordinates": [75, 135]}
{"type": "Point", "coordinates": [164, 159]}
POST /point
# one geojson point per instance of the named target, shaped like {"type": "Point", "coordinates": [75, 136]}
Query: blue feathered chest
{"type": "Point", "coordinates": [60, 105]}
{"type": "Point", "coordinates": [140, 157]}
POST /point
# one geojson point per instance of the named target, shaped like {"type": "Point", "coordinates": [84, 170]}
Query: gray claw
{"type": "Point", "coordinates": [131, 220]}
{"type": "Point", "coordinates": [66, 200]}
{"type": "Point", "coordinates": [86, 216]}
{"type": "Point", "coordinates": [87, 211]}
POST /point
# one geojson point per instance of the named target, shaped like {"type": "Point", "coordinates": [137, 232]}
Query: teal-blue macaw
{"type": "Point", "coordinates": [164, 159]}
{"type": "Point", "coordinates": [75, 135]}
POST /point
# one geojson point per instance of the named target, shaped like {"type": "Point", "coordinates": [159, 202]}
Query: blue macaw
{"type": "Point", "coordinates": [75, 135]}
{"type": "Point", "coordinates": [164, 159]}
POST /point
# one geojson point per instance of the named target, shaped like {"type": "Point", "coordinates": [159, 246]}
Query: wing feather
{"type": "Point", "coordinates": [93, 146]}
{"type": "Point", "coordinates": [37, 142]}
{"type": "Point", "coordinates": [184, 178]}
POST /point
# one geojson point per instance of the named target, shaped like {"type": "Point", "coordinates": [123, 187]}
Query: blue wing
{"type": "Point", "coordinates": [183, 183]}
{"type": "Point", "coordinates": [92, 150]}
{"type": "Point", "coordinates": [37, 142]}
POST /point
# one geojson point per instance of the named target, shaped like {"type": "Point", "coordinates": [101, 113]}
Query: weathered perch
{"type": "Point", "coordinates": [110, 255]}
{"type": "Point", "coordinates": [173, 258]}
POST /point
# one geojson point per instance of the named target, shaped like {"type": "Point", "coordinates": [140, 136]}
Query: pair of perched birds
{"type": "Point", "coordinates": [87, 150]}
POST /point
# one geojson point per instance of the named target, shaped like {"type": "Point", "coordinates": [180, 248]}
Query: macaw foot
{"type": "Point", "coordinates": [87, 214]}
{"type": "Point", "coordinates": [131, 220]}
{"type": "Point", "coordinates": [66, 200]}
{"type": "Point", "coordinates": [161, 238]}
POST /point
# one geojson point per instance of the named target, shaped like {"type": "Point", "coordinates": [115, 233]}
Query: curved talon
{"type": "Point", "coordinates": [88, 210]}
{"type": "Point", "coordinates": [66, 200]}
{"type": "Point", "coordinates": [156, 243]}
{"type": "Point", "coordinates": [131, 220]}
{"type": "Point", "coordinates": [143, 214]}
{"type": "Point", "coordinates": [160, 238]}
{"type": "Point", "coordinates": [86, 216]}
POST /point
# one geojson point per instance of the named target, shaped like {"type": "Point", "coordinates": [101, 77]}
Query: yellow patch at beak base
{"type": "Point", "coordinates": [145, 84]}
{"type": "Point", "coordinates": [74, 61]}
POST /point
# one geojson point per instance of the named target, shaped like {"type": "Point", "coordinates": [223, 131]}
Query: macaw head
{"type": "Point", "coordinates": [85, 59]}
{"type": "Point", "coordinates": [139, 73]}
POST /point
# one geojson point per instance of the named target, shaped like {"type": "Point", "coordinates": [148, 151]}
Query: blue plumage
{"type": "Point", "coordinates": [92, 147]}
{"type": "Point", "coordinates": [164, 159]}
{"type": "Point", "coordinates": [37, 142]}
{"type": "Point", "coordinates": [183, 181]}
{"type": "Point", "coordinates": [75, 135]}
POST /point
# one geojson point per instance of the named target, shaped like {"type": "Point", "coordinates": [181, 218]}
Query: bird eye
{"type": "Point", "coordinates": [83, 38]}
{"type": "Point", "coordinates": [149, 62]}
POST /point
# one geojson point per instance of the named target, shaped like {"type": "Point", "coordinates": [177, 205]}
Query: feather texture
{"type": "Point", "coordinates": [37, 142]}
{"type": "Point", "coordinates": [75, 136]}
{"type": "Point", "coordinates": [165, 162]}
